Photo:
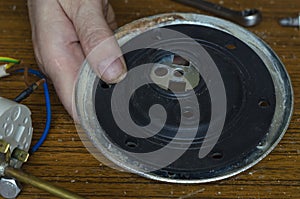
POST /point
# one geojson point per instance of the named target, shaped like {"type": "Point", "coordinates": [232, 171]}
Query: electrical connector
{"type": "Point", "coordinates": [9, 63]}
{"type": "Point", "coordinates": [3, 72]}
{"type": "Point", "coordinates": [28, 91]}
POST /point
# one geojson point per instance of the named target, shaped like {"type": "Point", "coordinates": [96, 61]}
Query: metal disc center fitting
{"type": "Point", "coordinates": [175, 73]}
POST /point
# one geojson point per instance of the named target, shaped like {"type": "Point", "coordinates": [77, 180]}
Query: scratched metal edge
{"type": "Point", "coordinates": [87, 82]}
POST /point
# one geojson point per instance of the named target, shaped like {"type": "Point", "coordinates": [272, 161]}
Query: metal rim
{"type": "Point", "coordinates": [87, 81]}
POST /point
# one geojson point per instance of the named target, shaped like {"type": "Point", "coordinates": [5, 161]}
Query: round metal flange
{"type": "Point", "coordinates": [257, 108]}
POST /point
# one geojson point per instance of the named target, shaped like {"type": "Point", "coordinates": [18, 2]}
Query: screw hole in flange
{"type": "Point", "coordinates": [262, 145]}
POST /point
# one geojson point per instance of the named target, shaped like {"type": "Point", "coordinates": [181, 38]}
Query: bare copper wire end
{"type": "Point", "coordinates": [41, 81]}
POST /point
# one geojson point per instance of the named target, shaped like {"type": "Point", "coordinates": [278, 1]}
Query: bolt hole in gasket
{"type": "Point", "coordinates": [252, 127]}
{"type": "Point", "coordinates": [264, 103]}
{"type": "Point", "coordinates": [231, 46]}
{"type": "Point", "coordinates": [188, 113]}
{"type": "Point", "coordinates": [131, 143]}
{"type": "Point", "coordinates": [217, 155]}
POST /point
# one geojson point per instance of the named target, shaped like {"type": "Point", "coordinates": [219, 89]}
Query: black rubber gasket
{"type": "Point", "coordinates": [251, 105]}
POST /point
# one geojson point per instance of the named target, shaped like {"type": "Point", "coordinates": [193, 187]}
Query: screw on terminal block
{"type": "Point", "coordinates": [290, 21]}
{"type": "Point", "coordinates": [4, 146]}
{"type": "Point", "coordinates": [20, 155]}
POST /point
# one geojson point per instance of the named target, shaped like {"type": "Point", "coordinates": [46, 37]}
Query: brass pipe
{"type": "Point", "coordinates": [40, 184]}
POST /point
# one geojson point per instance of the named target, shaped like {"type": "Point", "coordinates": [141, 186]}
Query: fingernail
{"type": "Point", "coordinates": [115, 73]}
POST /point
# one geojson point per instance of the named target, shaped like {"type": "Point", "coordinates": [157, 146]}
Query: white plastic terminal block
{"type": "Point", "coordinates": [15, 127]}
{"type": "Point", "coordinates": [3, 72]}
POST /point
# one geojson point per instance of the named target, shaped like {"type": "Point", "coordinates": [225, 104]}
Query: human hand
{"type": "Point", "coordinates": [65, 32]}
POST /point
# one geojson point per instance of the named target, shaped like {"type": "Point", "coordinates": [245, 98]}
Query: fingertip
{"type": "Point", "coordinates": [114, 73]}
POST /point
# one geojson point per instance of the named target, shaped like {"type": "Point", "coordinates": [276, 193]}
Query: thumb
{"type": "Point", "coordinates": [97, 40]}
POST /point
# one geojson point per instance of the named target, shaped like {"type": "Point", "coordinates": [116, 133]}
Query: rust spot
{"type": "Point", "coordinates": [144, 24]}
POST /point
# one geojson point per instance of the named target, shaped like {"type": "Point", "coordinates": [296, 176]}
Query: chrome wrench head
{"type": "Point", "coordinates": [249, 17]}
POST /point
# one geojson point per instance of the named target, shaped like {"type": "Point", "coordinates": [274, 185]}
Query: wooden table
{"type": "Point", "coordinates": [65, 161]}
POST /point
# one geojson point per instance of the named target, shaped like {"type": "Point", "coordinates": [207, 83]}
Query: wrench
{"type": "Point", "coordinates": [248, 17]}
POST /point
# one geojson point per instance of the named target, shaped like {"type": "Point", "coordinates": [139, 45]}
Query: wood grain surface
{"type": "Point", "coordinates": [64, 161]}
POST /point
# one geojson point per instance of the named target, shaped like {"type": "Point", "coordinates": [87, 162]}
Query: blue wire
{"type": "Point", "coordinates": [48, 109]}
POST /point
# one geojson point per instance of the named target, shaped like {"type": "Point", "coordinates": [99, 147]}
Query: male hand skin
{"type": "Point", "coordinates": [65, 32]}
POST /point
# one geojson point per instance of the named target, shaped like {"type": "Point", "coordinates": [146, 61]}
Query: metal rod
{"type": "Point", "coordinates": [290, 21]}
{"type": "Point", "coordinates": [40, 184]}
